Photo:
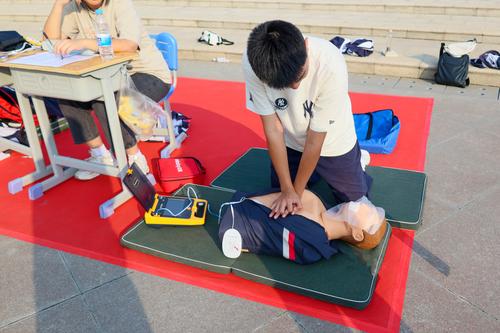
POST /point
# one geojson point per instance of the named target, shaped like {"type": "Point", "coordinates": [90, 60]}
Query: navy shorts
{"type": "Point", "coordinates": [343, 173]}
{"type": "Point", "coordinates": [294, 237]}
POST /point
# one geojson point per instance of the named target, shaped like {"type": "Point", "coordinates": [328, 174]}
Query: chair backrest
{"type": "Point", "coordinates": [167, 44]}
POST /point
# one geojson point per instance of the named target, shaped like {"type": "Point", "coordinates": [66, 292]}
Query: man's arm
{"type": "Point", "coordinates": [273, 130]}
{"type": "Point", "coordinates": [53, 23]}
{"type": "Point", "coordinates": [288, 201]}
{"type": "Point", "coordinates": [66, 46]}
{"type": "Point", "coordinates": [309, 159]}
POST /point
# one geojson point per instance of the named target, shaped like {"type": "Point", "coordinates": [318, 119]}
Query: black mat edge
{"type": "Point", "coordinates": [410, 225]}
{"type": "Point", "coordinates": [357, 304]}
{"type": "Point", "coordinates": [170, 256]}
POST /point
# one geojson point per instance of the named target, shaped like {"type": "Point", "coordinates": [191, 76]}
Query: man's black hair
{"type": "Point", "coordinates": [277, 53]}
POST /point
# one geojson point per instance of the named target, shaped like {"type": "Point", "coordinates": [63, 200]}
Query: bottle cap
{"type": "Point", "coordinates": [99, 11]}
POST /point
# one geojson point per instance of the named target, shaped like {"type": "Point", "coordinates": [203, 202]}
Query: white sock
{"type": "Point", "coordinates": [136, 155]}
{"type": "Point", "coordinates": [100, 151]}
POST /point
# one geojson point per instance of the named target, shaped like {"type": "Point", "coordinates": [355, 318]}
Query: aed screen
{"type": "Point", "coordinates": [173, 207]}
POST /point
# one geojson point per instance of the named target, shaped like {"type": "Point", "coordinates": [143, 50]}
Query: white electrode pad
{"type": "Point", "coordinates": [231, 243]}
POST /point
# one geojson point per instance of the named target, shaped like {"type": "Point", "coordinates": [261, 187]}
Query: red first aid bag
{"type": "Point", "coordinates": [173, 172]}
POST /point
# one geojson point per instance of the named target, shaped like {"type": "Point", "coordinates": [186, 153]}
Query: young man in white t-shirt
{"type": "Point", "coordinates": [298, 85]}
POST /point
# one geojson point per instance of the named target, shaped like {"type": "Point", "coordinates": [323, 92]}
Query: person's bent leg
{"type": "Point", "coordinates": [345, 175]}
{"type": "Point", "coordinates": [150, 86]}
{"type": "Point", "coordinates": [84, 130]}
{"type": "Point", "coordinates": [82, 126]}
{"type": "Point", "coordinates": [129, 139]}
{"type": "Point", "coordinates": [153, 88]}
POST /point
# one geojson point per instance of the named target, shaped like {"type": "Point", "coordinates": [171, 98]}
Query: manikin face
{"type": "Point", "coordinates": [355, 234]}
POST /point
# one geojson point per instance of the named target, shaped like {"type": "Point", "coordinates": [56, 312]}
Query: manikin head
{"type": "Point", "coordinates": [277, 53]}
{"type": "Point", "coordinates": [364, 223]}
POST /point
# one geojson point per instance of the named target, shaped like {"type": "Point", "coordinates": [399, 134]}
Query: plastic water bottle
{"type": "Point", "coordinates": [103, 36]}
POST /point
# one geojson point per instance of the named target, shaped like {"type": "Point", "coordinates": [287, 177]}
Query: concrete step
{"type": "Point", "coordinates": [409, 26]}
{"type": "Point", "coordinates": [443, 7]}
{"type": "Point", "coordinates": [417, 58]}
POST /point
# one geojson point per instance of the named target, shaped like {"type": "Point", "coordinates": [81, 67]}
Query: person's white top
{"type": "Point", "coordinates": [321, 102]}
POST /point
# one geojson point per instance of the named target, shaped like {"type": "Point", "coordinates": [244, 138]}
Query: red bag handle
{"type": "Point", "coordinates": [203, 170]}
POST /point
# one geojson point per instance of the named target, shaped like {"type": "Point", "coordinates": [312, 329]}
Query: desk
{"type": "Point", "coordinates": [34, 149]}
{"type": "Point", "coordinates": [84, 81]}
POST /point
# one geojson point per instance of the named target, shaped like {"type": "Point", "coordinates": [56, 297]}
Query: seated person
{"type": "Point", "coordinates": [72, 23]}
{"type": "Point", "coordinates": [306, 236]}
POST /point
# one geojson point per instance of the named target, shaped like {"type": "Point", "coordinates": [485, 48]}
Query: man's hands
{"type": "Point", "coordinates": [287, 203]}
{"type": "Point", "coordinates": [66, 46]}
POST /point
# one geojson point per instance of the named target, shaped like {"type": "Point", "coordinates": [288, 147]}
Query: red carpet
{"type": "Point", "coordinates": [67, 217]}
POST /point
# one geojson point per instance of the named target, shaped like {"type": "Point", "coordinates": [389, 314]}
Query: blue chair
{"type": "Point", "coordinates": [167, 44]}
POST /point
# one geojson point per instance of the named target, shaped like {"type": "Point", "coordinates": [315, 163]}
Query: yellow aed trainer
{"type": "Point", "coordinates": [164, 210]}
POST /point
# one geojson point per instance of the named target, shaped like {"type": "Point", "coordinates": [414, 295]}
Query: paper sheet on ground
{"type": "Point", "coordinates": [49, 59]}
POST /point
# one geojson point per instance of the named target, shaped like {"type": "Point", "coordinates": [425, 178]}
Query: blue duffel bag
{"type": "Point", "coordinates": [377, 131]}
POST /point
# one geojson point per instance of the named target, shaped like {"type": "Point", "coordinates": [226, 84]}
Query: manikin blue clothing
{"type": "Point", "coordinates": [294, 237]}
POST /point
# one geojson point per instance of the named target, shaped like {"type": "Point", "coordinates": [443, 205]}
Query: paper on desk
{"type": "Point", "coordinates": [49, 59]}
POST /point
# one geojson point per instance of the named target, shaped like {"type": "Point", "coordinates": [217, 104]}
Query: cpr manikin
{"type": "Point", "coordinates": [305, 237]}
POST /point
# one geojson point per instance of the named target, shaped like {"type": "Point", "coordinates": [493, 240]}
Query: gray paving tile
{"type": "Point", "coordinates": [483, 92]}
{"type": "Point", "coordinates": [373, 89]}
{"type": "Point", "coordinates": [32, 278]}
{"type": "Point", "coordinates": [69, 316]}
{"type": "Point", "coordinates": [444, 129]}
{"type": "Point", "coordinates": [386, 82]}
{"type": "Point", "coordinates": [487, 206]}
{"type": "Point", "coordinates": [283, 323]}
{"type": "Point", "coordinates": [431, 308]}
{"type": "Point", "coordinates": [435, 211]}
{"type": "Point", "coordinates": [213, 71]}
{"type": "Point", "coordinates": [467, 109]}
{"type": "Point", "coordinates": [161, 305]}
{"type": "Point", "coordinates": [493, 126]}
{"type": "Point", "coordinates": [464, 167]}
{"type": "Point", "coordinates": [420, 86]}
{"type": "Point", "coordinates": [6, 241]}
{"type": "Point", "coordinates": [467, 245]}
{"type": "Point", "coordinates": [90, 273]}
{"type": "Point", "coordinates": [313, 325]}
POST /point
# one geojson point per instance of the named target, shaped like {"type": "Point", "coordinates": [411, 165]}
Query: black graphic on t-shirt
{"type": "Point", "coordinates": [250, 98]}
{"type": "Point", "coordinates": [308, 109]}
{"type": "Point", "coordinates": [281, 103]}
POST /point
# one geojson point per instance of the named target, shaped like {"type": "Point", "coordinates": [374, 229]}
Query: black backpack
{"type": "Point", "coordinates": [10, 40]}
{"type": "Point", "coordinates": [452, 71]}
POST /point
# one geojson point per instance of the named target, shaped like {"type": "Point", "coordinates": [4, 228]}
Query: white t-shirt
{"type": "Point", "coordinates": [321, 102]}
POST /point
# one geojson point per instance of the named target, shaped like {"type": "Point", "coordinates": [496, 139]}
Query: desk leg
{"type": "Point", "coordinates": [60, 174]}
{"type": "Point", "coordinates": [34, 150]}
{"type": "Point", "coordinates": [107, 208]}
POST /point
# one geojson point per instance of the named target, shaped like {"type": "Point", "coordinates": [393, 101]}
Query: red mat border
{"type": "Point", "coordinates": [211, 280]}
{"type": "Point", "coordinates": [285, 300]}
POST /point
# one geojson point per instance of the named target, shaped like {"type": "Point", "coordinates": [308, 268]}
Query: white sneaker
{"type": "Point", "coordinates": [365, 159]}
{"type": "Point", "coordinates": [106, 159]}
{"type": "Point", "coordinates": [140, 161]}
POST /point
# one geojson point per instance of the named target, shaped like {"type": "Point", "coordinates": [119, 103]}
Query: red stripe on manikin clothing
{"type": "Point", "coordinates": [291, 246]}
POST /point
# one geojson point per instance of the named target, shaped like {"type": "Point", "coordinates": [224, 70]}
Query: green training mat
{"type": "Point", "coordinates": [348, 278]}
{"type": "Point", "coordinates": [400, 192]}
